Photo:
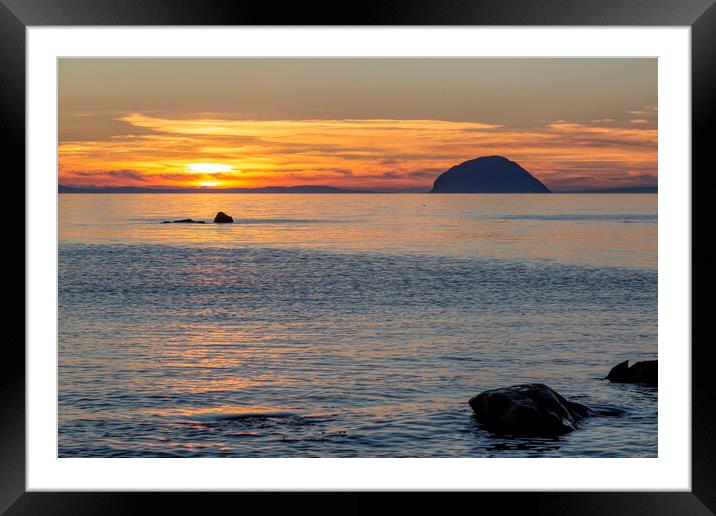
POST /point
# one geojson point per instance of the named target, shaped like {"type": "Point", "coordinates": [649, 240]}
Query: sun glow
{"type": "Point", "coordinates": [355, 153]}
{"type": "Point", "coordinates": [209, 168]}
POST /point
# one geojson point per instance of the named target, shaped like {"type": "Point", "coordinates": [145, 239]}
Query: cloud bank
{"type": "Point", "coordinates": [378, 154]}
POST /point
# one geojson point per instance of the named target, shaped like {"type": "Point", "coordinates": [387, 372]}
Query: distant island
{"type": "Point", "coordinates": [625, 190]}
{"type": "Point", "coordinates": [489, 174]}
{"type": "Point", "coordinates": [308, 189]}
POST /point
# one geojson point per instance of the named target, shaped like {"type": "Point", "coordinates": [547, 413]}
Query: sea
{"type": "Point", "coordinates": [349, 325]}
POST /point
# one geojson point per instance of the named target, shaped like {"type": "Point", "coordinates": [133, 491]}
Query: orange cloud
{"type": "Point", "coordinates": [370, 154]}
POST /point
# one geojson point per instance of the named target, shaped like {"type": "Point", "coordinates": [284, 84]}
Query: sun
{"type": "Point", "coordinates": [208, 183]}
{"type": "Point", "coordinates": [209, 168]}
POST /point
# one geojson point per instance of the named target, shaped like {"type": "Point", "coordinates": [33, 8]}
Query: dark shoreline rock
{"type": "Point", "coordinates": [646, 372]}
{"type": "Point", "coordinates": [529, 409]}
{"type": "Point", "coordinates": [223, 218]}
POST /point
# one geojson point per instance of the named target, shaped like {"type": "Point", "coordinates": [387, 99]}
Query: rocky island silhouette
{"type": "Point", "coordinates": [489, 174]}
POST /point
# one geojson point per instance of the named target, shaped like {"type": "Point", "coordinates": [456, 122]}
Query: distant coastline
{"type": "Point", "coordinates": [482, 175]}
{"type": "Point", "coordinates": [304, 189]}
{"type": "Point", "coordinates": [308, 189]}
{"type": "Point", "coordinates": [630, 189]}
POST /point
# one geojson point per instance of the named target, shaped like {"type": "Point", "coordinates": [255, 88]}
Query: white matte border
{"type": "Point", "coordinates": [670, 471]}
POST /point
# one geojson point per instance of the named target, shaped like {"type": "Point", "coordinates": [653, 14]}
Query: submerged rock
{"type": "Point", "coordinates": [529, 409]}
{"type": "Point", "coordinates": [222, 218]}
{"type": "Point", "coordinates": [646, 372]}
{"type": "Point", "coordinates": [184, 221]}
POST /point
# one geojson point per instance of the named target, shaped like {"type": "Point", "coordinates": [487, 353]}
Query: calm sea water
{"type": "Point", "coordinates": [349, 325]}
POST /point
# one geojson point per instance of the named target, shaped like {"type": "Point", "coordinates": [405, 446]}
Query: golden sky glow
{"type": "Point", "coordinates": [102, 142]}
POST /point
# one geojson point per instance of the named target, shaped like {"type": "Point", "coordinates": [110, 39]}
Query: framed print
{"type": "Point", "coordinates": [420, 248]}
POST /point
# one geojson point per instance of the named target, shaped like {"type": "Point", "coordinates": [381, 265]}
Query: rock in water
{"type": "Point", "coordinates": [490, 174]}
{"type": "Point", "coordinates": [530, 409]}
{"type": "Point", "coordinates": [183, 221]}
{"type": "Point", "coordinates": [646, 372]}
{"type": "Point", "coordinates": [222, 218]}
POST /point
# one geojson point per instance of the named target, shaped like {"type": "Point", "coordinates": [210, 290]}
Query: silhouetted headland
{"type": "Point", "coordinates": [490, 174]}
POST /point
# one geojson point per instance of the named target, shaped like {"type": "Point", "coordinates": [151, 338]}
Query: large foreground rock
{"type": "Point", "coordinates": [646, 372]}
{"type": "Point", "coordinates": [489, 174]}
{"type": "Point", "coordinates": [529, 409]}
{"type": "Point", "coordinates": [222, 218]}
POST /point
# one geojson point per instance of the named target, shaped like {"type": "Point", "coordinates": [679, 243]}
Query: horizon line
{"type": "Point", "coordinates": [209, 190]}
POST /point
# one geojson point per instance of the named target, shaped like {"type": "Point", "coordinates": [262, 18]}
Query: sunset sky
{"type": "Point", "coordinates": [378, 124]}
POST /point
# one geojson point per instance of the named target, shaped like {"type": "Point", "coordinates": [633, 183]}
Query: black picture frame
{"type": "Point", "coordinates": [16, 15]}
